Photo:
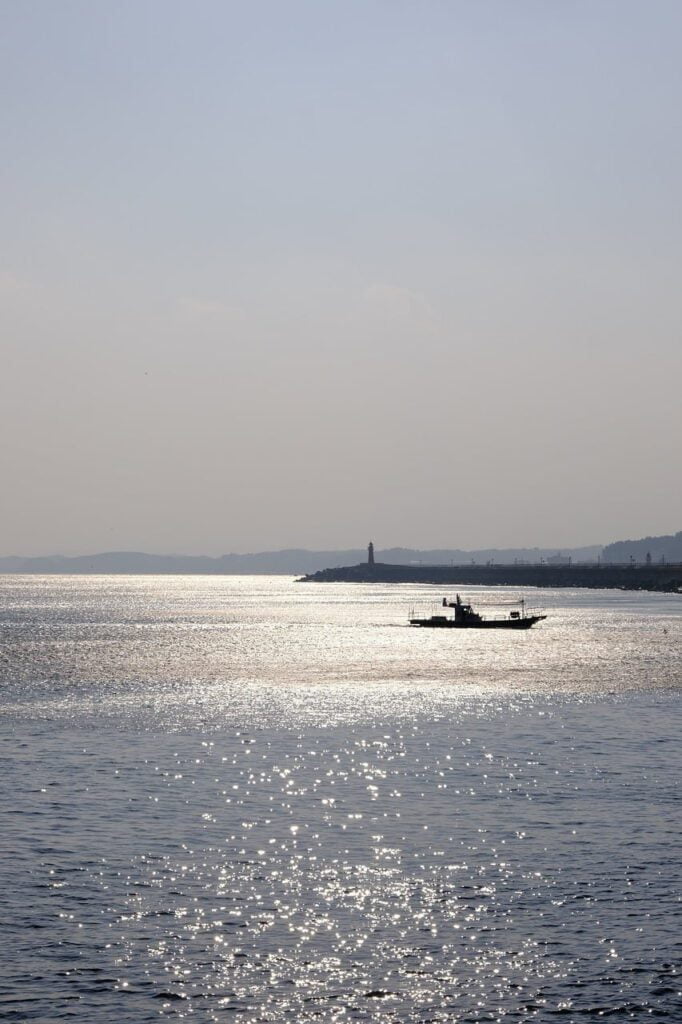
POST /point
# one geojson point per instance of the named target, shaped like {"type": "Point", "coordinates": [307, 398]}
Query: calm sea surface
{"type": "Point", "coordinates": [254, 800]}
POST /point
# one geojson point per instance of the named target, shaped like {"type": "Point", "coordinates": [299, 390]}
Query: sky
{"type": "Point", "coordinates": [304, 274]}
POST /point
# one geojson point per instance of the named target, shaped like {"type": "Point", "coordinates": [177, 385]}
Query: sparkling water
{"type": "Point", "coordinates": [256, 800]}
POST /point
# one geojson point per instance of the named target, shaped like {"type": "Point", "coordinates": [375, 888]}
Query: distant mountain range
{"type": "Point", "coordinates": [296, 561]}
{"type": "Point", "coordinates": [289, 562]}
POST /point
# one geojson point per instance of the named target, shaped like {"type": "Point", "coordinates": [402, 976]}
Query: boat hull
{"type": "Point", "coordinates": [439, 622]}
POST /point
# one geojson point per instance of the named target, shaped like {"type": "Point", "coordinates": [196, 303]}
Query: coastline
{"type": "Point", "coordinates": [665, 579]}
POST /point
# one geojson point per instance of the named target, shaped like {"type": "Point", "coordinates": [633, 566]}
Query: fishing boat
{"type": "Point", "coordinates": [466, 618]}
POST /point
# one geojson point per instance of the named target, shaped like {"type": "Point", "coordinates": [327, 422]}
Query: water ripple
{"type": "Point", "coordinates": [270, 850]}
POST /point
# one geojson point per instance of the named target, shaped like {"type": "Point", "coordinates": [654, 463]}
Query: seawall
{"type": "Point", "coordinates": [663, 578]}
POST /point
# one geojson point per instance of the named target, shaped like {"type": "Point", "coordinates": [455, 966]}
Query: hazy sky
{"type": "Point", "coordinates": [295, 273]}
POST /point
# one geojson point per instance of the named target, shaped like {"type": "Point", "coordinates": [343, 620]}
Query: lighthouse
{"type": "Point", "coordinates": [370, 554]}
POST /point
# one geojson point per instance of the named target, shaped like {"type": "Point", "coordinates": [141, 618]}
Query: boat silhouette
{"type": "Point", "coordinates": [466, 618]}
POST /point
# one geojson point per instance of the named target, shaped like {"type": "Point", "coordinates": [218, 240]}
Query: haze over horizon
{"type": "Point", "coordinates": [358, 550]}
{"type": "Point", "coordinates": [300, 275]}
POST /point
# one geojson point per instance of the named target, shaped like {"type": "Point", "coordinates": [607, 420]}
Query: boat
{"type": "Point", "coordinates": [466, 618]}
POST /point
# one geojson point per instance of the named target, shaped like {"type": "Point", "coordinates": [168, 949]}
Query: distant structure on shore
{"type": "Point", "coordinates": [370, 553]}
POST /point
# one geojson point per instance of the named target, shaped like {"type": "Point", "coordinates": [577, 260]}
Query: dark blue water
{"type": "Point", "coordinates": [199, 823]}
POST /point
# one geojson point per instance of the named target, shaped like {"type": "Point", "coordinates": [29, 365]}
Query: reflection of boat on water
{"type": "Point", "coordinates": [466, 618]}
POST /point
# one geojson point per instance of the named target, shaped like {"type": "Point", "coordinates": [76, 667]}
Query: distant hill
{"type": "Point", "coordinates": [288, 562]}
{"type": "Point", "coordinates": [667, 548]}
{"type": "Point", "coordinates": [292, 561]}
{"type": "Point", "coordinates": [299, 561]}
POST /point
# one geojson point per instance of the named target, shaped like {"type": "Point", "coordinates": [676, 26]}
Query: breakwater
{"type": "Point", "coordinates": [663, 578]}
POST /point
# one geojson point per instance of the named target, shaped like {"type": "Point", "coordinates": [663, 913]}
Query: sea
{"type": "Point", "coordinates": [258, 800]}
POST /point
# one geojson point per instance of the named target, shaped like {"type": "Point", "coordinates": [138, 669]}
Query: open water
{"type": "Point", "coordinates": [254, 800]}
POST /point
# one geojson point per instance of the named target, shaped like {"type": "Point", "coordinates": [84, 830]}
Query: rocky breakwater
{"type": "Point", "coordinates": [663, 578]}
